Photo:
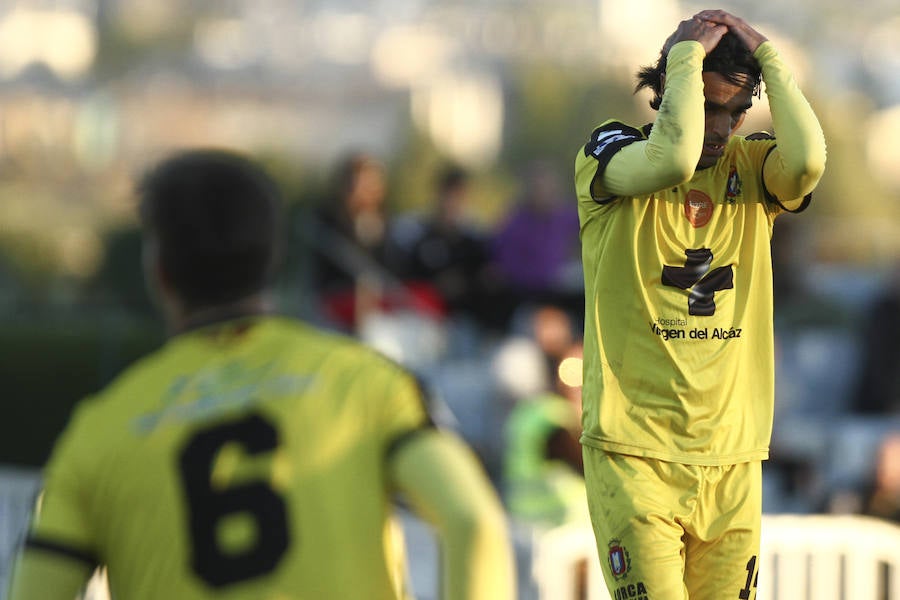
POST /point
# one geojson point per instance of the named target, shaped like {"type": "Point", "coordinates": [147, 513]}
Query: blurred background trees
{"type": "Point", "coordinates": [93, 91]}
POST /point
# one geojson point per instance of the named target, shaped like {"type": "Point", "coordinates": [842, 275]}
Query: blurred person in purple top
{"type": "Point", "coordinates": [536, 248]}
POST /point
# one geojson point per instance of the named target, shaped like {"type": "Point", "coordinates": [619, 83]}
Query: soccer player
{"type": "Point", "coordinates": [251, 456]}
{"type": "Point", "coordinates": [676, 219]}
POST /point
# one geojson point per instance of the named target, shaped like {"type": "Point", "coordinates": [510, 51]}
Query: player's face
{"type": "Point", "coordinates": [725, 107]}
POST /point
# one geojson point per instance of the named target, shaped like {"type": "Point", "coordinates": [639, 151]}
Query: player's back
{"type": "Point", "coordinates": [240, 461]}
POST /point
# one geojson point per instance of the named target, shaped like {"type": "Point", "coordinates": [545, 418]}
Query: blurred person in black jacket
{"type": "Point", "coordinates": [878, 391]}
{"type": "Point", "coordinates": [358, 260]}
{"type": "Point", "coordinates": [452, 256]}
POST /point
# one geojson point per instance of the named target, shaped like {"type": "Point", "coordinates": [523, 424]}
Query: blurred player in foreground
{"type": "Point", "coordinates": [251, 456]}
{"type": "Point", "coordinates": [679, 355]}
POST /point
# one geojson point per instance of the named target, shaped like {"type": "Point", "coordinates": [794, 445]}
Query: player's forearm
{"type": "Point", "coordinates": [796, 166]}
{"type": "Point", "coordinates": [669, 156]}
{"type": "Point", "coordinates": [476, 556]}
{"type": "Point", "coordinates": [447, 487]}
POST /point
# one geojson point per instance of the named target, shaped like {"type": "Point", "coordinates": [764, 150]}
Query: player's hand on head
{"type": "Point", "coordinates": [736, 25]}
{"type": "Point", "coordinates": [707, 32]}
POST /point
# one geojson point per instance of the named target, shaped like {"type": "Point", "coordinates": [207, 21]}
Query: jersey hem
{"type": "Point", "coordinates": [758, 454]}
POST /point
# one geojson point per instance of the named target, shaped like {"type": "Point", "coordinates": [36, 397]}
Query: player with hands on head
{"type": "Point", "coordinates": [749, 37]}
{"type": "Point", "coordinates": [707, 33]}
{"type": "Point", "coordinates": [678, 395]}
{"type": "Point", "coordinates": [252, 456]}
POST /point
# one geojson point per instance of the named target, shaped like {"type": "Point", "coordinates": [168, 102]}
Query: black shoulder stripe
{"type": "Point", "coordinates": [610, 138]}
{"type": "Point", "coordinates": [404, 438]}
{"type": "Point", "coordinates": [424, 393]}
{"type": "Point", "coordinates": [770, 197]}
{"type": "Point", "coordinates": [803, 205]}
{"type": "Point", "coordinates": [602, 201]}
{"type": "Point", "coordinates": [605, 141]}
{"type": "Point", "coordinates": [35, 543]}
{"type": "Point", "coordinates": [426, 399]}
{"type": "Point", "coordinates": [759, 135]}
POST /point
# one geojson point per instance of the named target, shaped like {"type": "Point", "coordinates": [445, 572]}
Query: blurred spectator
{"type": "Point", "coordinates": [536, 249]}
{"type": "Point", "coordinates": [884, 498]}
{"type": "Point", "coordinates": [451, 256]}
{"type": "Point", "coordinates": [881, 496]}
{"type": "Point", "coordinates": [358, 260]}
{"type": "Point", "coordinates": [539, 366]}
{"type": "Point", "coordinates": [797, 305]}
{"type": "Point", "coordinates": [878, 390]}
{"type": "Point", "coordinates": [554, 333]}
{"type": "Point", "coordinates": [788, 286]}
{"type": "Point", "coordinates": [542, 468]}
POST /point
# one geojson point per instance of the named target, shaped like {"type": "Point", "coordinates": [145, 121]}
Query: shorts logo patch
{"type": "Point", "coordinates": [619, 559]}
{"type": "Point", "coordinates": [698, 208]}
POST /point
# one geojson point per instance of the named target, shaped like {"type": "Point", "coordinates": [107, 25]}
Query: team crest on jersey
{"type": "Point", "coordinates": [734, 186]}
{"type": "Point", "coordinates": [698, 208]}
{"type": "Point", "coordinates": [619, 559]}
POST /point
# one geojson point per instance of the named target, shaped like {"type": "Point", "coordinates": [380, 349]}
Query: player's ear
{"type": "Point", "coordinates": [156, 279]}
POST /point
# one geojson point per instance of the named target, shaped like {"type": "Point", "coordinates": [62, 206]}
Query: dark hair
{"type": "Point", "coordinates": [730, 58]}
{"type": "Point", "coordinates": [217, 218]}
{"type": "Point", "coordinates": [452, 177]}
{"type": "Point", "coordinates": [348, 169]}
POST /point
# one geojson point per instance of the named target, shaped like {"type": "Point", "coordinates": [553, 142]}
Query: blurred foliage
{"type": "Point", "coordinates": [846, 161]}
{"type": "Point", "coordinates": [47, 365]}
{"type": "Point", "coordinates": [49, 200]}
{"type": "Point", "coordinates": [120, 46]}
{"type": "Point", "coordinates": [300, 184]}
{"type": "Point", "coordinates": [119, 282]}
{"type": "Point", "coordinates": [554, 110]}
{"type": "Point", "coordinates": [83, 320]}
{"type": "Point", "coordinates": [412, 174]}
{"type": "Point", "coordinates": [31, 257]}
{"type": "Point", "coordinates": [551, 111]}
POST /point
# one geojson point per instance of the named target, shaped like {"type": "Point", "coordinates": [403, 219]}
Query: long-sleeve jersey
{"type": "Point", "coordinates": [679, 348]}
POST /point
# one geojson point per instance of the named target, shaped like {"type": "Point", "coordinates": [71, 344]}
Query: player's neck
{"type": "Point", "coordinates": [187, 320]}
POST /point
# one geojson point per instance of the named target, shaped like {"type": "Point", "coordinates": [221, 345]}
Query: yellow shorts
{"type": "Point", "coordinates": [669, 531]}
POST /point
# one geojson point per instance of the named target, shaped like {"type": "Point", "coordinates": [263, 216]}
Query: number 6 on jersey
{"type": "Point", "coordinates": [208, 506]}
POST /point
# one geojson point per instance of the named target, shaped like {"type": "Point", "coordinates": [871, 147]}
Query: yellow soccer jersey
{"type": "Point", "coordinates": [240, 461]}
{"type": "Point", "coordinates": [678, 348]}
